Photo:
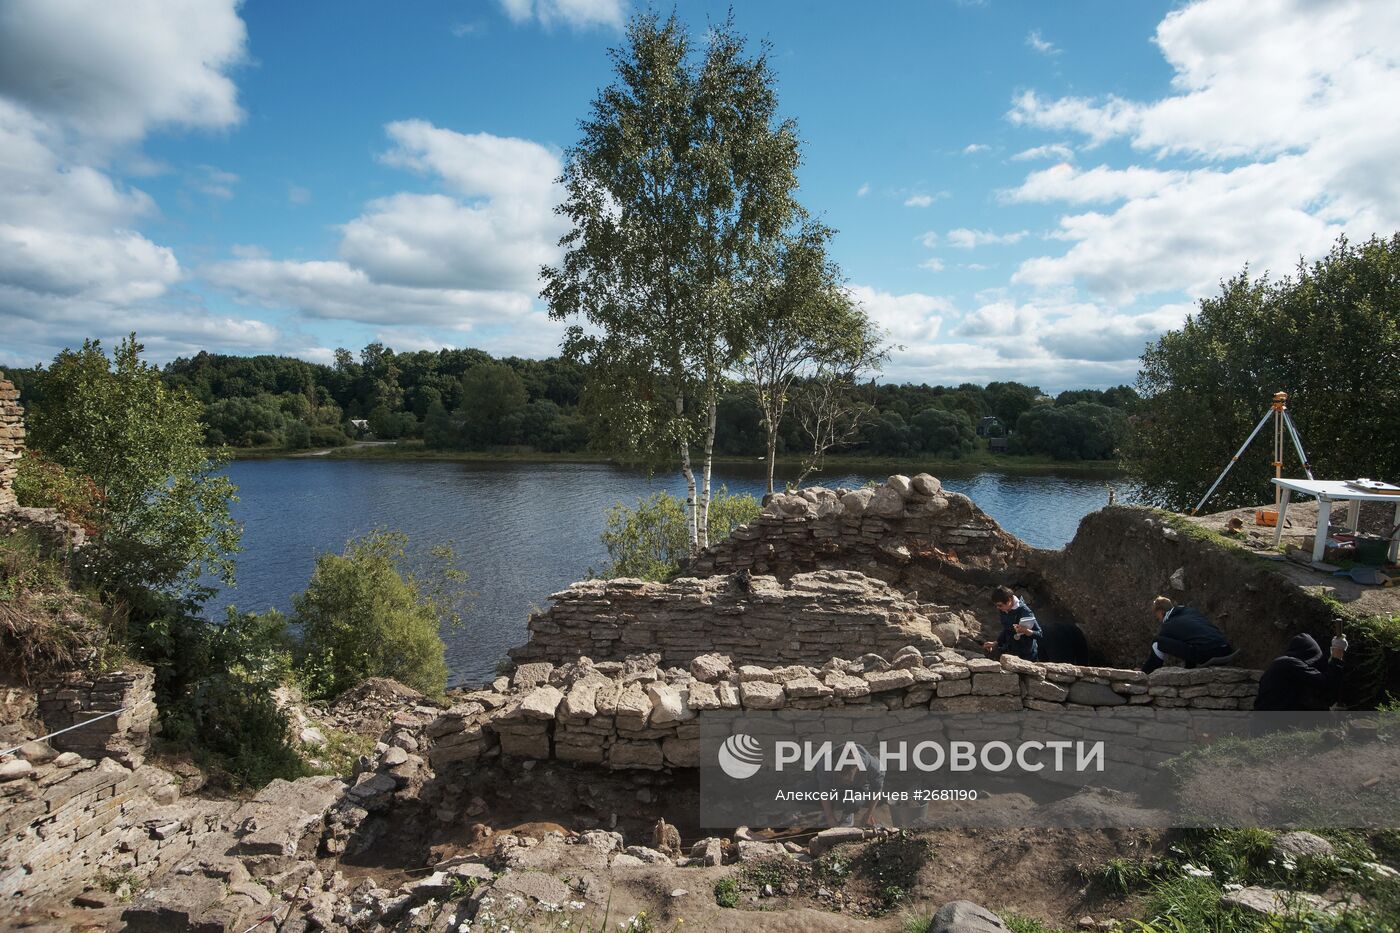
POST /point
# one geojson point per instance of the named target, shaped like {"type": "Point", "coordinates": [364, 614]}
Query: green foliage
{"type": "Point", "coordinates": [650, 540]}
{"type": "Point", "coordinates": [1079, 431]}
{"type": "Point", "coordinates": [944, 433]}
{"type": "Point", "coordinates": [1329, 336]}
{"type": "Point", "coordinates": [163, 509]}
{"type": "Point", "coordinates": [42, 483]}
{"type": "Point", "coordinates": [727, 892]}
{"type": "Point", "coordinates": [365, 614]}
{"type": "Point", "coordinates": [39, 629]}
{"type": "Point", "coordinates": [1373, 662]}
{"type": "Point", "coordinates": [216, 683]}
{"type": "Point", "coordinates": [492, 395]}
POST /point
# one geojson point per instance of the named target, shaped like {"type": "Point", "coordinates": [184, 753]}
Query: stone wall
{"type": "Point", "coordinates": [68, 699]}
{"type": "Point", "coordinates": [754, 619]}
{"type": "Point", "coordinates": [875, 530]}
{"type": "Point", "coordinates": [635, 715]}
{"type": "Point", "coordinates": [11, 440]}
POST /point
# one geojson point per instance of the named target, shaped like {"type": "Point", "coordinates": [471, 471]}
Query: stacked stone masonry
{"type": "Point", "coordinates": [11, 440]}
{"type": "Point", "coordinates": [904, 520]}
{"type": "Point", "coordinates": [78, 697]}
{"type": "Point", "coordinates": [757, 619]}
{"type": "Point", "coordinates": [636, 715]}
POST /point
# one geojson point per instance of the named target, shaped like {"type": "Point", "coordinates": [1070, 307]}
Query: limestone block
{"type": "Point", "coordinates": [953, 688]}
{"type": "Point", "coordinates": [1044, 690]}
{"type": "Point", "coordinates": [882, 681]}
{"type": "Point", "coordinates": [925, 485]}
{"type": "Point", "coordinates": [667, 705]}
{"type": "Point", "coordinates": [541, 703]}
{"type": "Point", "coordinates": [631, 754]}
{"type": "Point", "coordinates": [709, 668]}
{"type": "Point", "coordinates": [532, 675]}
{"type": "Point", "coordinates": [846, 686]}
{"type": "Point", "coordinates": [757, 694]}
{"type": "Point", "coordinates": [995, 683]}
{"type": "Point", "coordinates": [702, 696]}
{"type": "Point", "coordinates": [1092, 694]}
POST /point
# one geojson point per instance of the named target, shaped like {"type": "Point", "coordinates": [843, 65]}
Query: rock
{"type": "Point", "coordinates": [312, 736]}
{"type": "Point", "coordinates": [1266, 901]}
{"type": "Point", "coordinates": [752, 851]}
{"type": "Point", "coordinates": [1177, 580]}
{"type": "Point", "coordinates": [667, 705]}
{"type": "Point", "coordinates": [14, 770]}
{"type": "Point", "coordinates": [883, 681]}
{"type": "Point", "coordinates": [760, 695]}
{"type": "Point", "coordinates": [900, 484]}
{"type": "Point", "coordinates": [1293, 845]}
{"type": "Point", "coordinates": [965, 917]}
{"type": "Point", "coordinates": [37, 752]}
{"type": "Point", "coordinates": [750, 673]}
{"type": "Point", "coordinates": [532, 886]}
{"type": "Point", "coordinates": [1092, 694]}
{"type": "Point", "coordinates": [871, 662]}
{"type": "Point", "coordinates": [906, 657]}
{"type": "Point", "coordinates": [708, 668]}
{"type": "Point", "coordinates": [542, 702]}
{"type": "Point", "coordinates": [707, 853]}
{"type": "Point", "coordinates": [276, 819]}
{"type": "Point", "coordinates": [624, 860]}
{"type": "Point", "coordinates": [835, 836]}
{"type": "Point", "coordinates": [648, 855]}
{"type": "Point", "coordinates": [886, 503]}
{"type": "Point", "coordinates": [679, 893]}
{"type": "Point", "coordinates": [925, 485]}
{"type": "Point", "coordinates": [854, 503]}
{"type": "Point", "coordinates": [166, 794]}
{"type": "Point", "coordinates": [67, 760]}
{"type": "Point", "coordinates": [532, 675]}
{"type": "Point", "coordinates": [394, 757]}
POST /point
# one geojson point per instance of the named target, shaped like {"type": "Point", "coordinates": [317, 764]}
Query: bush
{"type": "Point", "coordinates": [42, 483]}
{"type": "Point", "coordinates": [650, 541]}
{"type": "Point", "coordinates": [326, 435]}
{"type": "Point", "coordinates": [946, 433]}
{"type": "Point", "coordinates": [364, 614]}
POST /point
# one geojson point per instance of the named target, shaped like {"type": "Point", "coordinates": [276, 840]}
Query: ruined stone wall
{"type": "Point", "coordinates": [634, 715]}
{"type": "Point", "coordinates": [756, 620]}
{"type": "Point", "coordinates": [74, 697]}
{"type": "Point", "coordinates": [1122, 556]}
{"type": "Point", "coordinates": [875, 530]}
{"type": "Point", "coordinates": [11, 440]}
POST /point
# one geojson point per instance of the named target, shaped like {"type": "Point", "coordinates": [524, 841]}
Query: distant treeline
{"type": "Point", "coordinates": [468, 400]}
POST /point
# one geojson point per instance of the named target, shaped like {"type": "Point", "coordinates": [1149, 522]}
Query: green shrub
{"type": "Point", "coordinates": [727, 892]}
{"type": "Point", "coordinates": [365, 614]}
{"type": "Point", "coordinates": [650, 541]}
{"type": "Point", "coordinates": [42, 483]}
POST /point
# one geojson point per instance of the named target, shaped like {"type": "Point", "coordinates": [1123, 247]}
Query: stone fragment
{"type": "Point", "coordinates": [707, 853]}
{"type": "Point", "coordinates": [752, 851]}
{"type": "Point", "coordinates": [886, 503]}
{"type": "Point", "coordinates": [1270, 901]}
{"type": "Point", "coordinates": [965, 917]}
{"type": "Point", "coordinates": [532, 675]}
{"type": "Point", "coordinates": [835, 836]}
{"type": "Point", "coordinates": [757, 694]}
{"type": "Point", "coordinates": [1092, 694]}
{"type": "Point", "coordinates": [14, 770]}
{"type": "Point", "coordinates": [925, 485]}
{"type": "Point", "coordinates": [667, 705]}
{"type": "Point", "coordinates": [709, 668]}
{"type": "Point", "coordinates": [888, 680]}
{"type": "Point", "coordinates": [541, 703]}
{"type": "Point", "coordinates": [1296, 844]}
{"type": "Point", "coordinates": [752, 672]}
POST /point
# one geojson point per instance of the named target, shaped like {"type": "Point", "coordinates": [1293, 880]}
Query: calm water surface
{"type": "Point", "coordinates": [523, 530]}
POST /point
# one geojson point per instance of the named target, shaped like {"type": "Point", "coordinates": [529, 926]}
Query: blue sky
{"type": "Point", "coordinates": [1023, 190]}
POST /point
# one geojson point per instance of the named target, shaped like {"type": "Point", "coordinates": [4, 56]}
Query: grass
{"type": "Point", "coordinates": [727, 892]}
{"type": "Point", "coordinates": [337, 757]}
{"type": "Point", "coordinates": [44, 623]}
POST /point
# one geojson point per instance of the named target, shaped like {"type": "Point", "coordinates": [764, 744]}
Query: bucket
{"type": "Point", "coordinates": [1371, 550]}
{"type": "Point", "coordinates": [1266, 517]}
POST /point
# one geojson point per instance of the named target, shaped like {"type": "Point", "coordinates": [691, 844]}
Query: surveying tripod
{"type": "Point", "coordinates": [1279, 412]}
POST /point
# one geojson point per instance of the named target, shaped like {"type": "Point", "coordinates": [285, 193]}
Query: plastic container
{"type": "Point", "coordinates": [1266, 517]}
{"type": "Point", "coordinates": [1371, 550]}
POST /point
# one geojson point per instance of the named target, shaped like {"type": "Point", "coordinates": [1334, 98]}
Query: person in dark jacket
{"type": "Point", "coordinates": [1300, 679]}
{"type": "Point", "coordinates": [1187, 634]}
{"type": "Point", "coordinates": [1021, 635]}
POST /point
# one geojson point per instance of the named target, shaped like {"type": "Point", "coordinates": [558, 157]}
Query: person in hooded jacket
{"type": "Point", "coordinates": [1300, 679]}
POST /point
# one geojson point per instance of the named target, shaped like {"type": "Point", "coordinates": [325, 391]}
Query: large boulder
{"type": "Point", "coordinates": [966, 917]}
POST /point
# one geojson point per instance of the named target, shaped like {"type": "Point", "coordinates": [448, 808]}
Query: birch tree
{"type": "Point", "coordinates": [683, 178]}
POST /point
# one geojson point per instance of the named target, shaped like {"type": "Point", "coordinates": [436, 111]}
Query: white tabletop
{"type": "Point", "coordinates": [1334, 489]}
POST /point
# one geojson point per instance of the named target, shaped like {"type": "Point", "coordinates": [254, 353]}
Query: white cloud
{"type": "Point", "coordinates": [1049, 151]}
{"type": "Point", "coordinates": [963, 238]}
{"type": "Point", "coordinates": [577, 14]}
{"type": "Point", "coordinates": [918, 200]}
{"type": "Point", "coordinates": [1064, 182]}
{"type": "Point", "coordinates": [1040, 44]}
{"type": "Point", "coordinates": [910, 319]}
{"type": "Point", "coordinates": [113, 70]}
{"type": "Point", "coordinates": [296, 194]}
{"type": "Point", "coordinates": [1278, 102]}
{"type": "Point", "coordinates": [80, 85]}
{"type": "Point", "coordinates": [933, 264]}
{"type": "Point", "coordinates": [460, 260]}
{"type": "Point", "coordinates": [863, 190]}
{"type": "Point", "coordinates": [974, 148]}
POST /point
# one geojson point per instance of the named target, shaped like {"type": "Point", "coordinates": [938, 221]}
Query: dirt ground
{"type": "Point", "coordinates": [1299, 527]}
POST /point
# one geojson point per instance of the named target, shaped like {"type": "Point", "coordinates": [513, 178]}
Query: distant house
{"type": "Point", "coordinates": [996, 445]}
{"type": "Point", "coordinates": [359, 426]}
{"type": "Point", "coordinates": [991, 427]}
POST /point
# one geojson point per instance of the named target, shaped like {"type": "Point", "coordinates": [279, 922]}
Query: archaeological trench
{"type": "Point", "coordinates": [533, 797]}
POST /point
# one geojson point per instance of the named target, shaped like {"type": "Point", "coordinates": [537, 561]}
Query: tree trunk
{"type": "Point", "coordinates": [692, 527]}
{"type": "Point", "coordinates": [703, 512]}
{"type": "Point", "coordinates": [772, 452]}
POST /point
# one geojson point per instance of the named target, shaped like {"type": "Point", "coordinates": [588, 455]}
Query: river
{"type": "Point", "coordinates": [524, 530]}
